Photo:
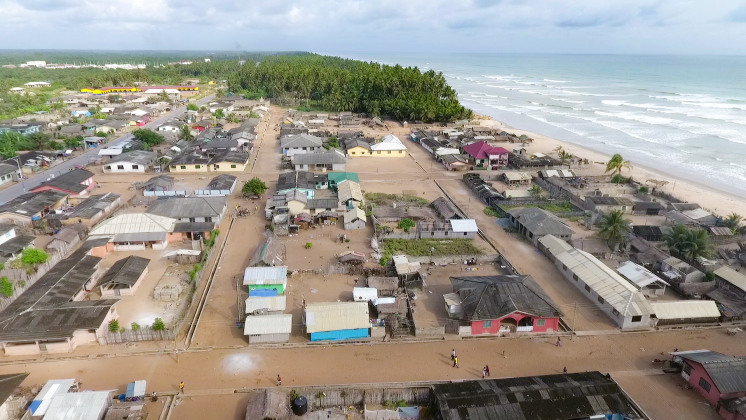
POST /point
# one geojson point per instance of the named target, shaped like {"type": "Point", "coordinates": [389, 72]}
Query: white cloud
{"type": "Point", "coordinates": [381, 25]}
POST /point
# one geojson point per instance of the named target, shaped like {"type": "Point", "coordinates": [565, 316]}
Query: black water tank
{"type": "Point", "coordinates": [300, 406]}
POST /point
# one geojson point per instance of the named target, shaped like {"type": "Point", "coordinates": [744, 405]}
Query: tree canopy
{"type": "Point", "coordinates": [254, 186]}
{"type": "Point", "coordinates": [149, 138]}
{"type": "Point", "coordinates": [33, 256]}
{"type": "Point", "coordinates": [615, 228]}
{"type": "Point", "coordinates": [338, 84]}
{"type": "Point", "coordinates": [688, 243]}
{"type": "Point", "coordinates": [616, 164]}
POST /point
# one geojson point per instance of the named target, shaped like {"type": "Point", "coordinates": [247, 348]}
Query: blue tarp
{"type": "Point", "coordinates": [35, 405]}
{"type": "Point", "coordinates": [340, 334]}
{"type": "Point", "coordinates": [409, 413]}
{"type": "Point", "coordinates": [263, 293]}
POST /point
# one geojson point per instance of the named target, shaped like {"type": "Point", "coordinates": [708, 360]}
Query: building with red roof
{"type": "Point", "coordinates": [486, 156]}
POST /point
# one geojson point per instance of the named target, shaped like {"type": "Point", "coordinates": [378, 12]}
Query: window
{"type": "Point", "coordinates": [192, 219]}
{"type": "Point", "coordinates": [352, 153]}
{"type": "Point", "coordinates": [400, 152]}
{"type": "Point", "coordinates": [183, 167]}
{"type": "Point", "coordinates": [197, 166]}
{"type": "Point", "coordinates": [135, 166]}
{"type": "Point", "coordinates": [389, 151]}
{"type": "Point", "coordinates": [466, 233]}
{"type": "Point", "coordinates": [208, 219]}
{"type": "Point", "coordinates": [107, 167]}
{"type": "Point", "coordinates": [305, 148]}
{"type": "Point", "coordinates": [120, 167]}
{"type": "Point", "coordinates": [600, 300]}
{"type": "Point", "coordinates": [487, 324]}
{"type": "Point", "coordinates": [530, 235]}
{"type": "Point", "coordinates": [637, 318]}
{"type": "Point", "coordinates": [173, 167]}
{"type": "Point", "coordinates": [687, 368]}
{"type": "Point", "coordinates": [216, 166]}
{"type": "Point", "coordinates": [564, 267]}
{"type": "Point", "coordinates": [379, 152]}
{"type": "Point", "coordinates": [587, 288]}
{"type": "Point", "coordinates": [575, 277]}
{"type": "Point", "coordinates": [704, 384]}
{"type": "Point", "coordinates": [615, 312]}
{"type": "Point", "coordinates": [541, 322]}
{"type": "Point", "coordinates": [233, 166]}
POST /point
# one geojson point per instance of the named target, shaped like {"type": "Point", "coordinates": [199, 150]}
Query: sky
{"type": "Point", "coordinates": [495, 26]}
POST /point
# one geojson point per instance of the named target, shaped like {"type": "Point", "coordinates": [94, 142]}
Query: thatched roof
{"type": "Point", "coordinates": [268, 404]}
{"type": "Point", "coordinates": [444, 208]}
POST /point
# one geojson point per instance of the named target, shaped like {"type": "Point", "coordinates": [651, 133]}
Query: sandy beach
{"type": "Point", "coordinates": [714, 200]}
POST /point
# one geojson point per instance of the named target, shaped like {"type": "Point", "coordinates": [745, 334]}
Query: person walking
{"type": "Point", "coordinates": [559, 342]}
{"type": "Point", "coordinates": [564, 369]}
{"type": "Point", "coordinates": [279, 380]}
{"type": "Point", "coordinates": [455, 361]}
{"type": "Point", "coordinates": [453, 354]}
{"type": "Point", "coordinates": [181, 387]}
{"type": "Point", "coordinates": [484, 372]}
{"type": "Point", "coordinates": [487, 370]}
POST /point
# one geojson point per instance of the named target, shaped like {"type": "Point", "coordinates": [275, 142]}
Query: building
{"type": "Point", "coordinates": [37, 84]}
{"type": "Point", "coordinates": [569, 396]}
{"type": "Point", "coordinates": [686, 312]}
{"type": "Point", "coordinates": [332, 160]}
{"type": "Point", "coordinates": [136, 161]}
{"type": "Point", "coordinates": [212, 161]}
{"type": "Point", "coordinates": [22, 128]}
{"type": "Point", "coordinates": [337, 320]}
{"type": "Point", "coordinates": [648, 233]}
{"type": "Point", "coordinates": [357, 147]}
{"type": "Point", "coordinates": [222, 183]}
{"type": "Point", "coordinates": [349, 193]}
{"type": "Point", "coordinates": [304, 181]}
{"type": "Point", "coordinates": [191, 209]}
{"type": "Point", "coordinates": [486, 156]}
{"type": "Point", "coordinates": [605, 205]}
{"type": "Point", "coordinates": [295, 144]}
{"type": "Point", "coordinates": [124, 277]}
{"type": "Point", "coordinates": [535, 223]}
{"type": "Point", "coordinates": [89, 405]}
{"type": "Point", "coordinates": [438, 229]}
{"type": "Point", "coordinates": [11, 249]}
{"type": "Point", "coordinates": [445, 209]}
{"type": "Point", "coordinates": [497, 304]}
{"type": "Point", "coordinates": [9, 173]}
{"type": "Point", "coordinates": [268, 328]}
{"type": "Point", "coordinates": [679, 271]}
{"type": "Point", "coordinates": [50, 316]}
{"type": "Point", "coordinates": [517, 178]}
{"type": "Point", "coordinates": [389, 146]}
{"type": "Point", "coordinates": [355, 218]}
{"type": "Point", "coordinates": [262, 305]}
{"type": "Point", "coordinates": [648, 208]}
{"type": "Point", "coordinates": [94, 208]}
{"type": "Point", "coordinates": [266, 281]}
{"type": "Point", "coordinates": [138, 231]}
{"type": "Point", "coordinates": [648, 283]}
{"type": "Point", "coordinates": [716, 376]}
{"type": "Point", "coordinates": [75, 182]}
{"type": "Point", "coordinates": [611, 293]}
{"type": "Point", "coordinates": [11, 406]}
{"type": "Point", "coordinates": [31, 206]}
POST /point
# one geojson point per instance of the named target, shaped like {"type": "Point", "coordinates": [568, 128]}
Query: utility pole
{"type": "Point", "coordinates": [574, 314]}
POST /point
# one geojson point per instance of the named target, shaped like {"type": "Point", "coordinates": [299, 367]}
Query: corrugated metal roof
{"type": "Point", "coordinates": [334, 316]}
{"type": "Point", "coordinates": [265, 275]}
{"type": "Point", "coordinates": [686, 309]}
{"type": "Point", "coordinates": [353, 214]}
{"type": "Point", "coordinates": [134, 223]}
{"type": "Point", "coordinates": [639, 275]}
{"type": "Point", "coordinates": [731, 276]}
{"type": "Point", "coordinates": [464, 225]}
{"type": "Point", "coordinates": [614, 289]}
{"type": "Point", "coordinates": [270, 303]}
{"type": "Point", "coordinates": [349, 190]}
{"type": "Point", "coordinates": [268, 324]}
{"type": "Point", "coordinates": [364, 294]}
{"type": "Point", "coordinates": [390, 142]}
{"type": "Point", "coordinates": [89, 405]}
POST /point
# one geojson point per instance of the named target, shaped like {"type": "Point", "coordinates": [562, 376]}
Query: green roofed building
{"type": "Point", "coordinates": [337, 177]}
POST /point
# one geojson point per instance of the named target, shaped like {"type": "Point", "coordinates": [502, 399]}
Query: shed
{"type": "Point", "coordinates": [445, 209]}
{"type": "Point", "coordinates": [268, 404]}
{"type": "Point", "coordinates": [89, 405]}
{"type": "Point", "coordinates": [124, 277]}
{"type": "Point", "coordinates": [386, 286]}
{"type": "Point", "coordinates": [364, 294]}
{"type": "Point", "coordinates": [337, 320]}
{"type": "Point", "coordinates": [686, 312]}
{"type": "Point", "coordinates": [648, 283]}
{"type": "Point", "coordinates": [258, 304]}
{"type": "Point", "coordinates": [268, 328]}
{"type": "Point", "coordinates": [355, 218]}
{"type": "Point", "coordinates": [648, 233]}
{"type": "Point", "coordinates": [266, 278]}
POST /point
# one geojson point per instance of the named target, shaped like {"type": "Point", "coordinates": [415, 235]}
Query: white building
{"type": "Point", "coordinates": [136, 161]}
{"type": "Point", "coordinates": [36, 63]}
{"type": "Point", "coordinates": [37, 84]}
{"type": "Point", "coordinates": [268, 328]}
{"type": "Point", "coordinates": [390, 146]}
{"type": "Point", "coordinates": [648, 283]}
{"type": "Point", "coordinates": [169, 127]}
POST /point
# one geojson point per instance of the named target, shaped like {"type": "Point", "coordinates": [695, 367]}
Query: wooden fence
{"type": "Point", "coordinates": [320, 397]}
{"type": "Point", "coordinates": [143, 334]}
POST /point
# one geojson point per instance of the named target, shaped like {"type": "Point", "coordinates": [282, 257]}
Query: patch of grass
{"type": "Point", "coordinates": [490, 211]}
{"type": "Point", "coordinates": [554, 207]}
{"type": "Point", "coordinates": [428, 247]}
{"type": "Point", "coordinates": [380, 198]}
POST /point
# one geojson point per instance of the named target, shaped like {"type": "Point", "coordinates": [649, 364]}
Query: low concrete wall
{"type": "Point", "coordinates": [489, 258]}
{"type": "Point", "coordinates": [437, 331]}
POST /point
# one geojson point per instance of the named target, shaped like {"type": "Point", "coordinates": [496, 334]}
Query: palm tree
{"type": "Point", "coordinates": [615, 229]}
{"type": "Point", "coordinates": [687, 243]}
{"type": "Point", "coordinates": [535, 191]}
{"type": "Point", "coordinates": [565, 156]}
{"type": "Point", "coordinates": [733, 221]}
{"type": "Point", "coordinates": [185, 133]}
{"type": "Point", "coordinates": [616, 164]}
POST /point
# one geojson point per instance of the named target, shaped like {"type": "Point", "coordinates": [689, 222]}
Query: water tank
{"type": "Point", "coordinates": [300, 406]}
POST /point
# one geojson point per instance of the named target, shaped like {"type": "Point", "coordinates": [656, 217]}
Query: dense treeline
{"type": "Point", "coordinates": [338, 84]}
{"type": "Point", "coordinates": [132, 57]}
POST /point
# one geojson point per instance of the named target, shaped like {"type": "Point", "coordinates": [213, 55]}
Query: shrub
{"type": "Point", "coordinates": [193, 273]}
{"type": "Point", "coordinates": [113, 326]}
{"type": "Point", "coordinates": [644, 189]}
{"type": "Point", "coordinates": [709, 276]}
{"type": "Point", "coordinates": [347, 240]}
{"type": "Point", "coordinates": [618, 179]}
{"type": "Point", "coordinates": [2, 266]}
{"type": "Point", "coordinates": [193, 107]}
{"type": "Point", "coordinates": [6, 287]}
{"type": "Point", "coordinates": [33, 256]}
{"type": "Point", "coordinates": [254, 186]}
{"type": "Point", "coordinates": [158, 325]}
{"type": "Point", "coordinates": [406, 224]}
{"type": "Point", "coordinates": [135, 326]}
{"type": "Point", "coordinates": [21, 283]}
{"type": "Point", "coordinates": [309, 245]}
{"type": "Point", "coordinates": [490, 211]}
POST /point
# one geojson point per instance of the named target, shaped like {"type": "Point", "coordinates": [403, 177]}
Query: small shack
{"type": "Point", "coordinates": [386, 286]}
{"type": "Point", "coordinates": [124, 277]}
{"type": "Point", "coordinates": [66, 238]}
{"type": "Point", "coordinates": [268, 404]}
{"type": "Point", "coordinates": [355, 218]}
{"type": "Point", "coordinates": [266, 281]}
{"type": "Point", "coordinates": [648, 283]}
{"type": "Point", "coordinates": [337, 320]}
{"type": "Point", "coordinates": [258, 305]}
{"type": "Point", "coordinates": [686, 312]}
{"type": "Point", "coordinates": [268, 328]}
{"type": "Point", "coordinates": [352, 257]}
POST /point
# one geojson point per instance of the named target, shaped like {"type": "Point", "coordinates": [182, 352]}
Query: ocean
{"type": "Point", "coordinates": [682, 115]}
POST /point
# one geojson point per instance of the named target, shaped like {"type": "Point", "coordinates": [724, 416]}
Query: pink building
{"type": "Point", "coordinates": [721, 379]}
{"type": "Point", "coordinates": [75, 182]}
{"type": "Point", "coordinates": [487, 156]}
{"type": "Point", "coordinates": [501, 304]}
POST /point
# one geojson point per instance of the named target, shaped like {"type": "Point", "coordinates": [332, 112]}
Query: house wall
{"type": "Point", "coordinates": [127, 167]}
{"type": "Point", "coordinates": [357, 224]}
{"type": "Point", "coordinates": [280, 288]}
{"type": "Point", "coordinates": [187, 168]}
{"type": "Point", "coordinates": [21, 349]}
{"type": "Point", "coordinates": [550, 324]}
{"type": "Point", "coordinates": [358, 151]}
{"type": "Point", "coordinates": [445, 234]}
{"type": "Point", "coordinates": [269, 338]}
{"type": "Point", "coordinates": [292, 151]}
{"type": "Point", "coordinates": [296, 207]}
{"type": "Point", "coordinates": [388, 153]}
{"type": "Point", "coordinates": [698, 372]}
{"type": "Point", "coordinates": [228, 167]}
{"type": "Point", "coordinates": [7, 236]}
{"type": "Point", "coordinates": [341, 334]}
{"type": "Point", "coordinates": [130, 291]}
{"type": "Point", "coordinates": [339, 167]}
{"type": "Point", "coordinates": [103, 251]}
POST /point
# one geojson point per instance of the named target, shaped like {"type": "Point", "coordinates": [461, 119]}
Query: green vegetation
{"type": "Point", "coordinates": [254, 187]}
{"type": "Point", "coordinates": [33, 256]}
{"type": "Point", "coordinates": [309, 245]}
{"type": "Point", "coordinates": [733, 221]}
{"type": "Point", "coordinates": [428, 247]}
{"type": "Point", "coordinates": [709, 276]}
{"type": "Point", "coordinates": [332, 143]}
{"type": "Point", "coordinates": [616, 164]}
{"type": "Point", "coordinates": [135, 326]}
{"type": "Point", "coordinates": [21, 283]}
{"type": "Point", "coordinates": [383, 198]}
{"type": "Point", "coordinates": [113, 326]}
{"type": "Point", "coordinates": [406, 224]}
{"type": "Point", "coordinates": [337, 84]}
{"type": "Point", "coordinates": [74, 142]}
{"type": "Point", "coordinates": [394, 404]}
{"type": "Point", "coordinates": [536, 191]}
{"type": "Point", "coordinates": [194, 271]}
{"type": "Point", "coordinates": [185, 133]}
{"type": "Point", "coordinates": [552, 207]}
{"type": "Point", "coordinates": [643, 190]}
{"type": "Point", "coordinates": [618, 179]}
{"type": "Point", "coordinates": [490, 211]}
{"type": "Point", "coordinates": [615, 229]}
{"type": "Point", "coordinates": [219, 113]}
{"type": "Point", "coordinates": [688, 243]}
{"type": "Point", "coordinates": [6, 287]}
{"type": "Point", "coordinates": [192, 107]}
{"type": "Point", "coordinates": [149, 138]}
{"type": "Point", "coordinates": [213, 237]}
{"type": "Point", "coordinates": [158, 325]}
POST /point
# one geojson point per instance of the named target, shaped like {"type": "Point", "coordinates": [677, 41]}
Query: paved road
{"type": "Point", "coordinates": [82, 160]}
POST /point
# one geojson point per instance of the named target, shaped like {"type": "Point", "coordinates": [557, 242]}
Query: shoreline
{"type": "Point", "coordinates": [711, 198]}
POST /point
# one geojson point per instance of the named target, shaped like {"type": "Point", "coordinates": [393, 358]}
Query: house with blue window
{"type": "Point", "coordinates": [350, 194]}
{"type": "Point", "coordinates": [266, 281]}
{"type": "Point", "coordinates": [337, 320]}
{"type": "Point", "coordinates": [23, 128]}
